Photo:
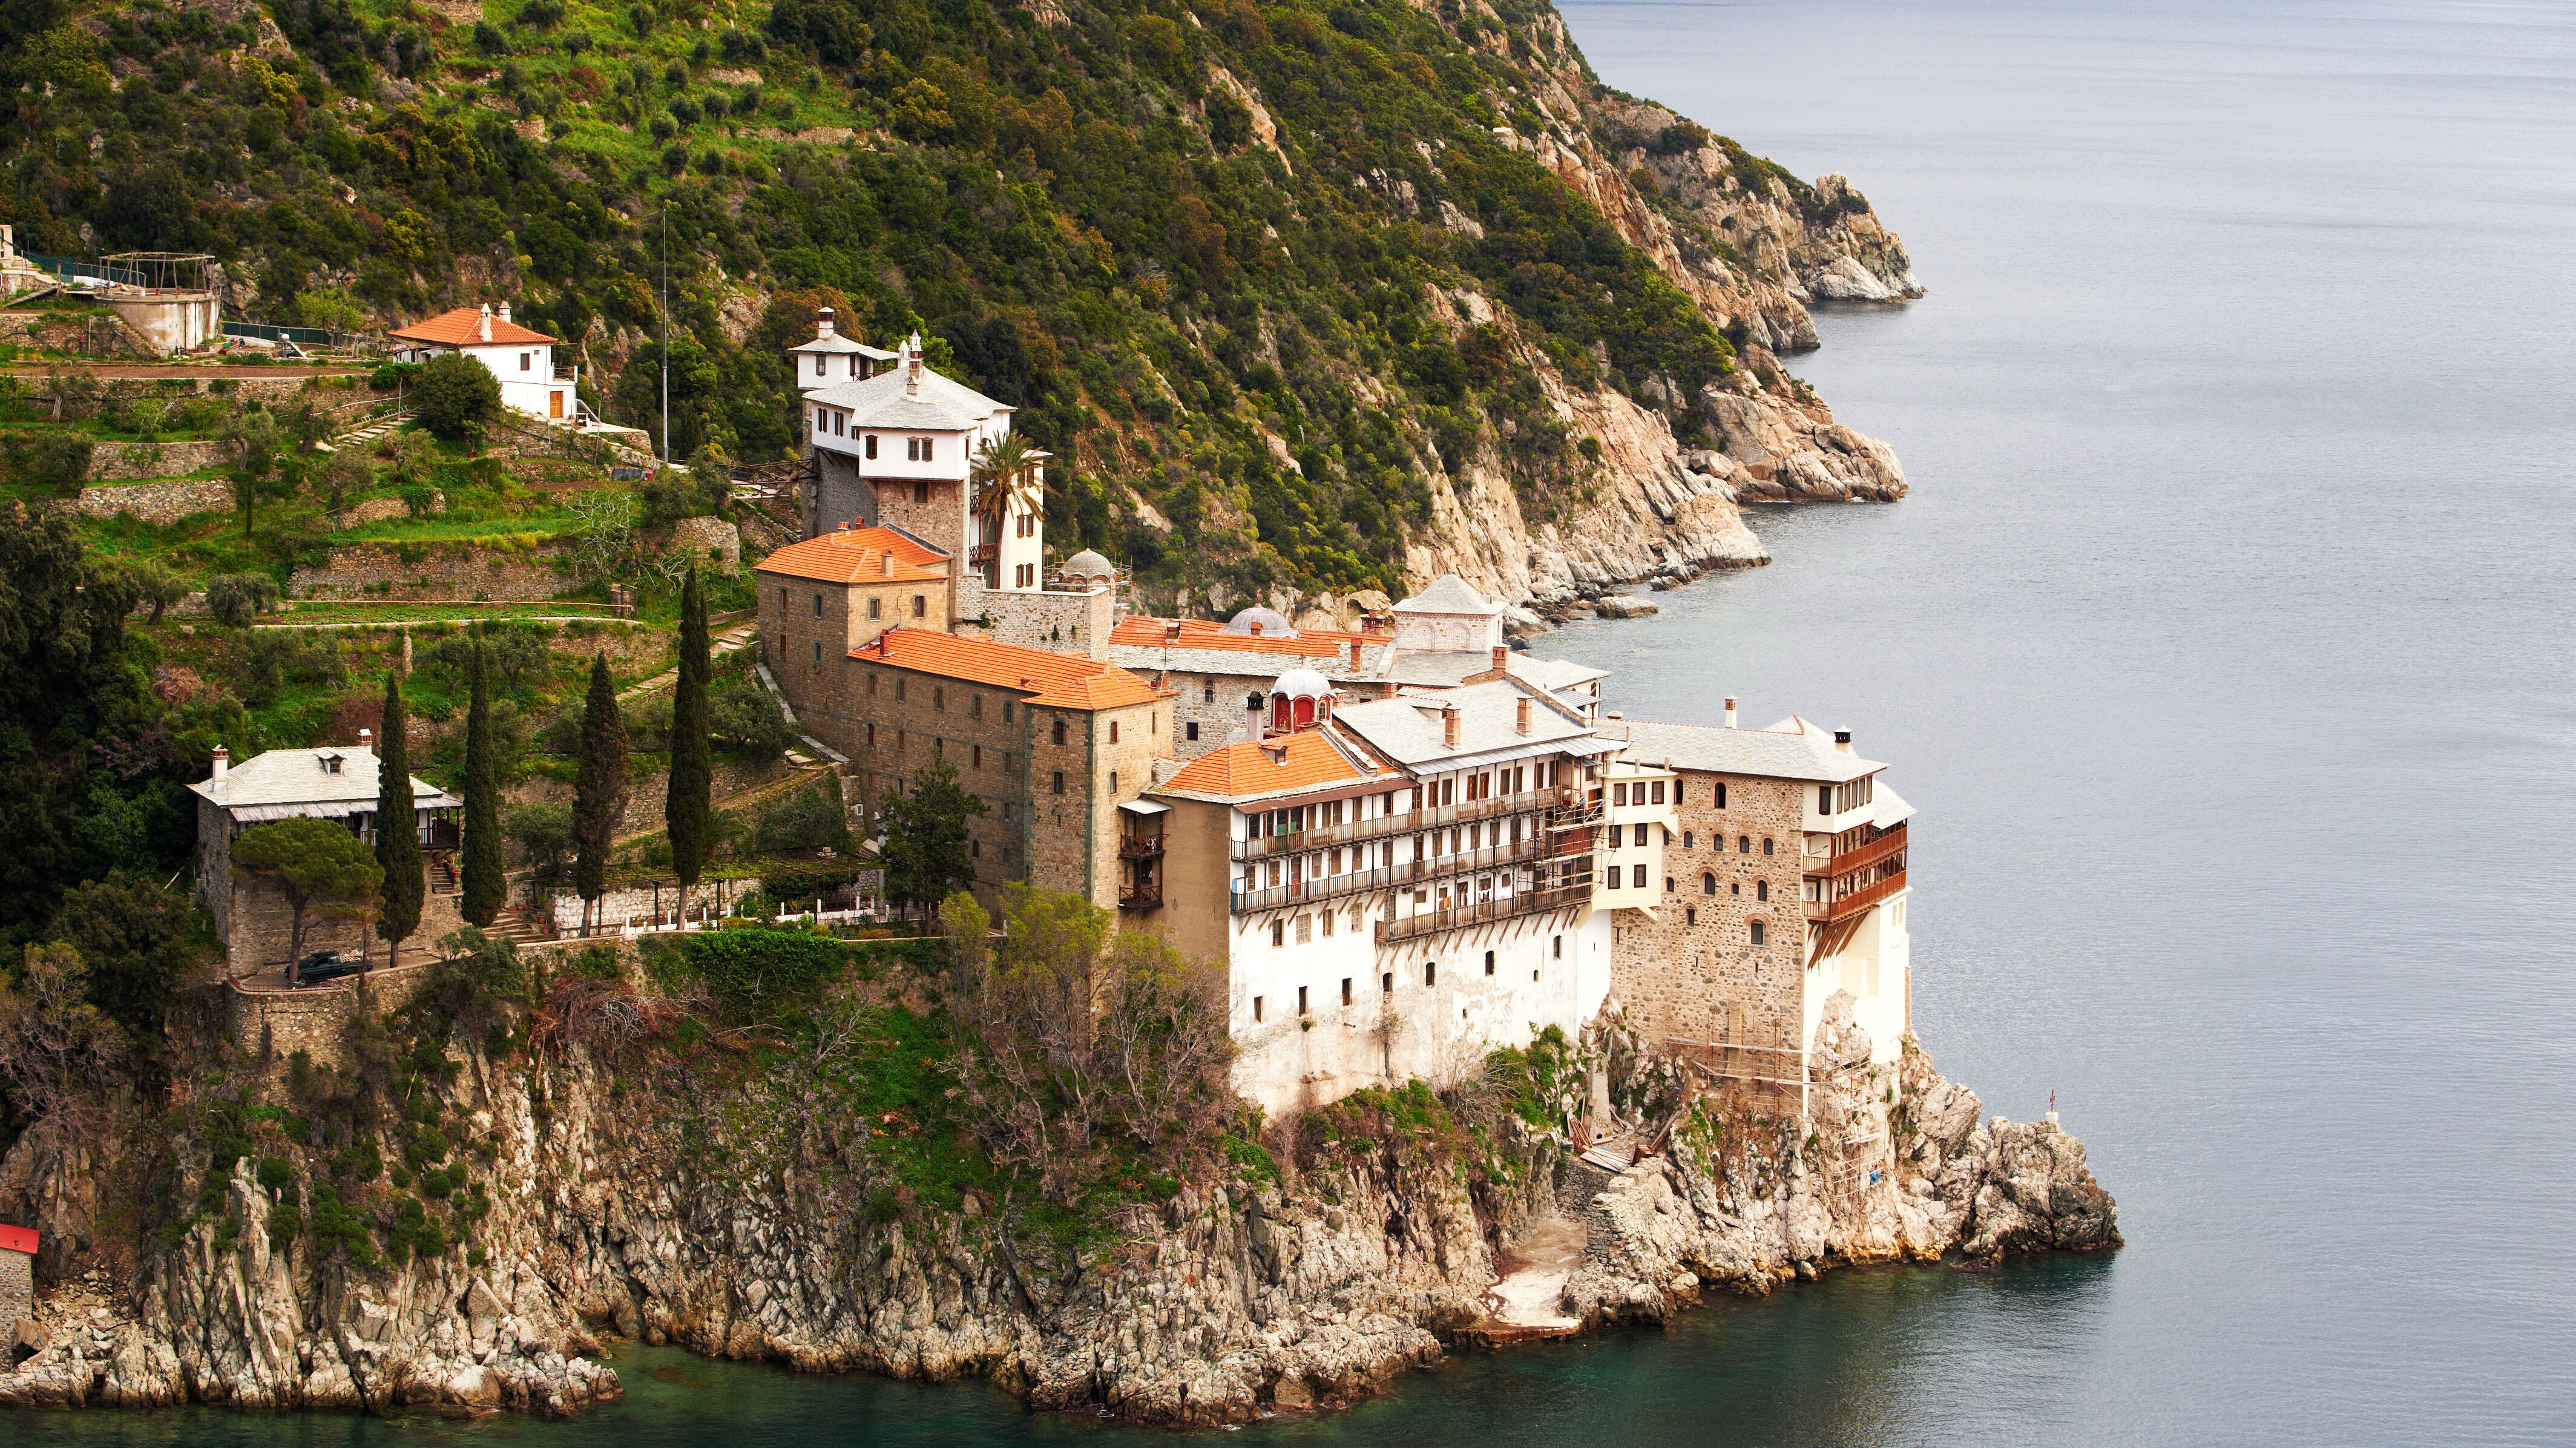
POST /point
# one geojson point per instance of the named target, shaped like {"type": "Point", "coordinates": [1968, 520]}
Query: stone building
{"type": "Point", "coordinates": [1398, 886]}
{"type": "Point", "coordinates": [1784, 883]}
{"type": "Point", "coordinates": [251, 915]}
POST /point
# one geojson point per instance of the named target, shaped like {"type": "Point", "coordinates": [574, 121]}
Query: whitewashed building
{"type": "Point", "coordinates": [520, 358]}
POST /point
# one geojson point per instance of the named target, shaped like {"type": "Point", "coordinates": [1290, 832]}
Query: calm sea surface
{"type": "Point", "coordinates": [2224, 647]}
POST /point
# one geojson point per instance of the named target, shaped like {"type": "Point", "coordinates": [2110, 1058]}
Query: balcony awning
{"type": "Point", "coordinates": [1145, 807]}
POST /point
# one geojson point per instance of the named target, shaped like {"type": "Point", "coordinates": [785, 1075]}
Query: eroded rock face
{"type": "Point", "coordinates": [738, 1224]}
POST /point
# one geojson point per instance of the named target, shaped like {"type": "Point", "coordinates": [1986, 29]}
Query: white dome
{"type": "Point", "coordinates": [1086, 564]}
{"type": "Point", "coordinates": [1273, 624]}
{"type": "Point", "coordinates": [1302, 684]}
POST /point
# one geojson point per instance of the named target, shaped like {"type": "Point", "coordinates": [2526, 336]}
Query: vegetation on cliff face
{"type": "Point", "coordinates": [1207, 248]}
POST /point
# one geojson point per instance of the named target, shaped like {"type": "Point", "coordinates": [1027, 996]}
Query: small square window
{"type": "Point", "coordinates": [1192, 730]}
{"type": "Point", "coordinates": [1757, 932]}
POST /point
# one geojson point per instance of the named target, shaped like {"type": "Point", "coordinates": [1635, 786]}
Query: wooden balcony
{"type": "Point", "coordinates": [1827, 912]}
{"type": "Point", "coordinates": [1412, 873]}
{"type": "Point", "coordinates": [1483, 912]}
{"type": "Point", "coordinates": [1148, 896]}
{"type": "Point", "coordinates": [1565, 807]}
{"type": "Point", "coordinates": [1836, 866]}
{"type": "Point", "coordinates": [1140, 847]}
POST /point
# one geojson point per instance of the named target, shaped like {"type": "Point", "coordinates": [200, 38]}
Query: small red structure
{"type": "Point", "coordinates": [18, 1239]}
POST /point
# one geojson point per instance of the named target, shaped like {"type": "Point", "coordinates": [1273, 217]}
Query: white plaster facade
{"type": "Point", "coordinates": [521, 359]}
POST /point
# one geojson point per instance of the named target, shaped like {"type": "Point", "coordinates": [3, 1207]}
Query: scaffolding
{"type": "Point", "coordinates": [160, 273]}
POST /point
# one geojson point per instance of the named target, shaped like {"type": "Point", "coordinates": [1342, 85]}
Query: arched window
{"type": "Point", "coordinates": [1489, 962]}
{"type": "Point", "coordinates": [1762, 890]}
{"type": "Point", "coordinates": [1721, 794]}
{"type": "Point", "coordinates": [1757, 932]}
{"type": "Point", "coordinates": [1686, 840]}
{"type": "Point", "coordinates": [1707, 883]}
{"type": "Point", "coordinates": [1743, 843]}
{"type": "Point", "coordinates": [1766, 844]}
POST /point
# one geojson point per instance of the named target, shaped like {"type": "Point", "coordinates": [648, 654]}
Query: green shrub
{"type": "Point", "coordinates": [455, 395]}
{"type": "Point", "coordinates": [237, 598]}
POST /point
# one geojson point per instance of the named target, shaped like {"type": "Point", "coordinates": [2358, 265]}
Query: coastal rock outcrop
{"type": "Point", "coordinates": [743, 1215]}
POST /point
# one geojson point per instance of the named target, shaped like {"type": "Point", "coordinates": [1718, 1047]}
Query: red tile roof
{"type": "Point", "coordinates": [1059, 681]}
{"type": "Point", "coordinates": [463, 327]}
{"type": "Point", "coordinates": [1294, 761]}
{"type": "Point", "coordinates": [858, 555]}
{"type": "Point", "coordinates": [18, 1239]}
{"type": "Point", "coordinates": [1142, 631]}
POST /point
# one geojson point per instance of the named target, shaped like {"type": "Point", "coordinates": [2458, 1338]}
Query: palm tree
{"type": "Point", "coordinates": [1006, 475]}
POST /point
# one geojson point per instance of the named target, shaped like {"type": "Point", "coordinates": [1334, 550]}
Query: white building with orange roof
{"type": "Point", "coordinates": [1398, 886]}
{"type": "Point", "coordinates": [520, 358]}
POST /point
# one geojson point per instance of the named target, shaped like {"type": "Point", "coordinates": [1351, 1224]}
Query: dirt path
{"type": "Point", "coordinates": [1526, 1299]}
{"type": "Point", "coordinates": [147, 372]}
{"type": "Point", "coordinates": [732, 638]}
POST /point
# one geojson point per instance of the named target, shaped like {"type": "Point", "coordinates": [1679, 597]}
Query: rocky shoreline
{"type": "Point", "coordinates": [733, 1224]}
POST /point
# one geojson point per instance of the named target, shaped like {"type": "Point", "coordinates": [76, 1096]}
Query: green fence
{"type": "Point", "coordinates": [260, 331]}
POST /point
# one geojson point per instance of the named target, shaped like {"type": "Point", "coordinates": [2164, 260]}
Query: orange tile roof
{"type": "Point", "coordinates": [858, 555]}
{"type": "Point", "coordinates": [1144, 631]}
{"type": "Point", "coordinates": [1241, 770]}
{"type": "Point", "coordinates": [1060, 681]}
{"type": "Point", "coordinates": [463, 327]}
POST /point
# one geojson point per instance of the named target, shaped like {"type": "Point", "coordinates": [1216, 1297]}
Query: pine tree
{"type": "Point", "coordinates": [599, 786]}
{"type": "Point", "coordinates": [485, 888]}
{"type": "Point", "coordinates": [397, 826]}
{"type": "Point", "coordinates": [686, 801]}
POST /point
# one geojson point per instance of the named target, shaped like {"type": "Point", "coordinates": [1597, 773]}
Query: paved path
{"type": "Point", "coordinates": [372, 430]}
{"type": "Point", "coordinates": [732, 638]}
{"type": "Point", "coordinates": [1528, 1298]}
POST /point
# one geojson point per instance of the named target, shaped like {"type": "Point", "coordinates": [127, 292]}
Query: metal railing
{"type": "Point", "coordinates": [263, 332]}
{"type": "Point", "coordinates": [1483, 912]}
{"type": "Point", "coordinates": [1413, 874]}
{"type": "Point", "coordinates": [1574, 809]}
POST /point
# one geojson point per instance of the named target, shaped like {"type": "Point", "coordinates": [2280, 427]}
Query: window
{"type": "Point", "coordinates": [1721, 794]}
{"type": "Point", "coordinates": [1707, 883]}
{"type": "Point", "coordinates": [1113, 782]}
{"type": "Point", "coordinates": [1256, 1000]}
{"type": "Point", "coordinates": [1430, 972]}
{"type": "Point", "coordinates": [1668, 884]}
{"type": "Point", "coordinates": [818, 366]}
{"type": "Point", "coordinates": [1641, 836]}
{"type": "Point", "coordinates": [1006, 711]}
{"type": "Point", "coordinates": [1762, 890]}
{"type": "Point", "coordinates": [921, 494]}
{"type": "Point", "coordinates": [870, 447]}
{"type": "Point", "coordinates": [1556, 947]}
{"type": "Point", "coordinates": [1657, 791]}
{"type": "Point", "coordinates": [974, 706]}
{"type": "Point", "coordinates": [872, 681]}
{"type": "Point", "coordinates": [1766, 844]}
{"type": "Point", "coordinates": [901, 688]}
{"type": "Point", "coordinates": [1207, 695]}
{"type": "Point", "coordinates": [1113, 731]}
{"type": "Point", "coordinates": [523, 360]}
{"type": "Point", "coordinates": [920, 605]}
{"type": "Point", "coordinates": [1489, 962]}
{"type": "Point", "coordinates": [1058, 732]}
{"type": "Point", "coordinates": [1193, 730]}
{"type": "Point", "coordinates": [1056, 785]}
{"type": "Point", "coordinates": [1346, 990]}
{"type": "Point", "coordinates": [782, 600]}
{"type": "Point", "coordinates": [1744, 844]}
{"type": "Point", "coordinates": [1757, 932]}
{"type": "Point", "coordinates": [840, 424]}
{"type": "Point", "coordinates": [938, 699]}
{"type": "Point", "coordinates": [1279, 932]}
{"type": "Point", "coordinates": [818, 651]}
{"type": "Point", "coordinates": [1328, 925]}
{"type": "Point", "coordinates": [1301, 1000]}
{"type": "Point", "coordinates": [978, 757]}
{"type": "Point", "coordinates": [872, 736]}
{"type": "Point", "coordinates": [1618, 794]}
{"type": "Point", "coordinates": [1638, 881]}
{"type": "Point", "coordinates": [876, 608]}
{"type": "Point", "coordinates": [1824, 799]}
{"type": "Point", "coordinates": [818, 605]}
{"type": "Point", "coordinates": [1386, 983]}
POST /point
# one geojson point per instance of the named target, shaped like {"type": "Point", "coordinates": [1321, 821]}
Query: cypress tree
{"type": "Point", "coordinates": [397, 826]}
{"type": "Point", "coordinates": [485, 888]}
{"type": "Point", "coordinates": [686, 801]}
{"type": "Point", "coordinates": [599, 786]}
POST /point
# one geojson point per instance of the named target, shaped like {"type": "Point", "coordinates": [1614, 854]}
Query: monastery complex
{"type": "Point", "coordinates": [1409, 843]}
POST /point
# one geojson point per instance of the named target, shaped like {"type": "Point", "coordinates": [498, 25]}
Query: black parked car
{"type": "Point", "coordinates": [323, 965]}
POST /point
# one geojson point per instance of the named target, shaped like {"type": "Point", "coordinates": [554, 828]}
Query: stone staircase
{"type": "Point", "coordinates": [375, 428]}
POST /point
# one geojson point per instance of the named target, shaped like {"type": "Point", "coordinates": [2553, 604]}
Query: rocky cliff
{"type": "Point", "coordinates": [740, 1207]}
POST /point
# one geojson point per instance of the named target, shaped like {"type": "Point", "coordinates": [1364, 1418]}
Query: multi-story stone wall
{"type": "Point", "coordinates": [930, 509]}
{"type": "Point", "coordinates": [1694, 971]}
{"type": "Point", "coordinates": [1059, 621]}
{"type": "Point", "coordinates": [1078, 777]}
{"type": "Point", "coordinates": [897, 722]}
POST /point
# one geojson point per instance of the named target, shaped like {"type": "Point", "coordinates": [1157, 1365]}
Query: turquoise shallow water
{"type": "Point", "coordinates": [2224, 648]}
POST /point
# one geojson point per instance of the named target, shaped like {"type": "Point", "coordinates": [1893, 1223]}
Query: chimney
{"type": "Point", "coordinates": [1256, 628]}
{"type": "Point", "coordinates": [885, 563]}
{"type": "Point", "coordinates": [822, 323]}
{"type": "Point", "coordinates": [1253, 709]}
{"type": "Point", "coordinates": [1350, 653]}
{"type": "Point", "coordinates": [1522, 724]}
{"type": "Point", "coordinates": [1171, 630]}
{"type": "Point", "coordinates": [912, 366]}
{"type": "Point", "coordinates": [505, 311]}
{"type": "Point", "coordinates": [1730, 711]}
{"type": "Point", "coordinates": [484, 328]}
{"type": "Point", "coordinates": [1449, 725]}
{"type": "Point", "coordinates": [223, 762]}
{"type": "Point", "coordinates": [1502, 657]}
{"type": "Point", "coordinates": [1842, 740]}
{"type": "Point", "coordinates": [366, 741]}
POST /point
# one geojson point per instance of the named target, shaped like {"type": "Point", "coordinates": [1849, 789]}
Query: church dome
{"type": "Point", "coordinates": [1086, 564]}
{"type": "Point", "coordinates": [1302, 684]}
{"type": "Point", "coordinates": [1267, 622]}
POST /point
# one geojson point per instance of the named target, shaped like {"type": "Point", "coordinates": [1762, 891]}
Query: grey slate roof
{"type": "Point", "coordinates": [1259, 669]}
{"type": "Point", "coordinates": [1791, 749]}
{"type": "Point", "coordinates": [286, 782]}
{"type": "Point", "coordinates": [1447, 667]}
{"type": "Point", "coordinates": [838, 344]}
{"type": "Point", "coordinates": [1408, 729]}
{"type": "Point", "coordinates": [944, 405]}
{"type": "Point", "coordinates": [1449, 594]}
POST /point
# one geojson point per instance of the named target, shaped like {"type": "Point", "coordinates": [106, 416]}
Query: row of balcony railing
{"type": "Point", "coordinates": [1550, 856]}
{"type": "Point", "coordinates": [1484, 912]}
{"type": "Point", "coordinates": [1567, 807]}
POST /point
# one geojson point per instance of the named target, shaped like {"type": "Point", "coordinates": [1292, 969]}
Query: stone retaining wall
{"type": "Point", "coordinates": [122, 461]}
{"type": "Point", "coordinates": [159, 504]}
{"type": "Point", "coordinates": [314, 1020]}
{"type": "Point", "coordinates": [437, 570]}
